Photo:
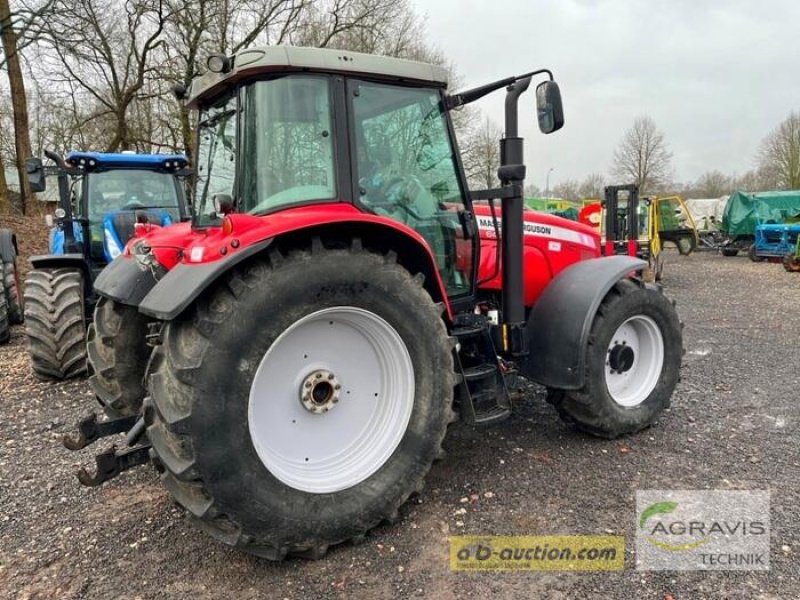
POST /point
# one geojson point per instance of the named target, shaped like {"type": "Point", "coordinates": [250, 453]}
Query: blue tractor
{"type": "Point", "coordinates": [774, 241]}
{"type": "Point", "coordinates": [103, 199]}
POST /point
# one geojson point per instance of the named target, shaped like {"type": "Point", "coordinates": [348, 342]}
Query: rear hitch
{"type": "Point", "coordinates": [110, 464]}
{"type": "Point", "coordinates": [90, 430]}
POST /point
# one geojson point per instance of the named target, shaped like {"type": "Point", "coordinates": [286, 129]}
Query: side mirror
{"type": "Point", "coordinates": [35, 171]}
{"type": "Point", "coordinates": [549, 107]}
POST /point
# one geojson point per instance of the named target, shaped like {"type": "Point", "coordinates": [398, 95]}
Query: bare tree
{"type": "Point", "coordinates": [642, 156]}
{"type": "Point", "coordinates": [568, 189]}
{"type": "Point", "coordinates": [481, 154]}
{"type": "Point", "coordinates": [592, 186]}
{"type": "Point", "coordinates": [12, 43]}
{"type": "Point", "coordinates": [106, 48]}
{"type": "Point", "coordinates": [712, 184]}
{"type": "Point", "coordinates": [780, 153]}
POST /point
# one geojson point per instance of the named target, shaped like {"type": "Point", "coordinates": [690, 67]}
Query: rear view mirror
{"type": "Point", "coordinates": [548, 107]}
{"type": "Point", "coordinates": [35, 171]}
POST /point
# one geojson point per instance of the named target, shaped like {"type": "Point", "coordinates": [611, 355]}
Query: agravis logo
{"type": "Point", "coordinates": [664, 508]}
{"type": "Point", "coordinates": [710, 529]}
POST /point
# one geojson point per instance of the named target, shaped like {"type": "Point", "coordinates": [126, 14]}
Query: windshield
{"type": "Point", "coordinates": [216, 158]}
{"type": "Point", "coordinates": [287, 146]}
{"type": "Point", "coordinates": [130, 189]}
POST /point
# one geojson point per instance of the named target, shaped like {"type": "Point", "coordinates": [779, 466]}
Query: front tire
{"type": "Point", "coordinates": [118, 352]}
{"type": "Point", "coordinates": [55, 323]}
{"type": "Point", "coordinates": [632, 364]}
{"type": "Point", "coordinates": [240, 432]}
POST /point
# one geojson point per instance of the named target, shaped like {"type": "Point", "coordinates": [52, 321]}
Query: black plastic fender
{"type": "Point", "coordinates": [126, 281]}
{"type": "Point", "coordinates": [180, 286]}
{"type": "Point", "coordinates": [559, 323]}
{"type": "Point", "coordinates": [8, 245]}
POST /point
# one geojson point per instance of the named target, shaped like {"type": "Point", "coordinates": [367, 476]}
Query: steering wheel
{"type": "Point", "coordinates": [133, 205]}
{"type": "Point", "coordinates": [400, 193]}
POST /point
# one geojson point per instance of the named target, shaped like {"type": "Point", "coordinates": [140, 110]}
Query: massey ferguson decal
{"type": "Point", "coordinates": [486, 225]}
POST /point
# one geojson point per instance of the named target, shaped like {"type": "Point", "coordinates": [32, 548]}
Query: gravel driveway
{"type": "Point", "coordinates": [733, 425]}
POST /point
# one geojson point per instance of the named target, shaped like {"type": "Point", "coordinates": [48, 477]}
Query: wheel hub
{"type": "Point", "coordinates": [319, 391]}
{"type": "Point", "coordinates": [621, 358]}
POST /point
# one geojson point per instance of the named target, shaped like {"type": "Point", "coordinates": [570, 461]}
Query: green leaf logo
{"type": "Point", "coordinates": [659, 508]}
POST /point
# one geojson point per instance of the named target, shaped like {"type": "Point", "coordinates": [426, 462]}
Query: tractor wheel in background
{"type": "Point", "coordinates": [729, 251]}
{"type": "Point", "coordinates": [632, 364]}
{"type": "Point", "coordinates": [11, 288]}
{"type": "Point", "coordinates": [791, 263]}
{"type": "Point", "coordinates": [5, 327]}
{"type": "Point", "coordinates": [751, 254]}
{"type": "Point", "coordinates": [118, 353]}
{"type": "Point", "coordinates": [301, 402]}
{"type": "Point", "coordinates": [658, 266]}
{"type": "Point", "coordinates": [55, 323]}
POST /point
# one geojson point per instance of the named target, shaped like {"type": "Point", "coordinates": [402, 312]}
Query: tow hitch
{"type": "Point", "coordinates": [109, 463]}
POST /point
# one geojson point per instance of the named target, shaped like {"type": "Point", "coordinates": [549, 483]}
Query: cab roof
{"type": "Point", "coordinates": [276, 59]}
{"type": "Point", "coordinates": [94, 161]}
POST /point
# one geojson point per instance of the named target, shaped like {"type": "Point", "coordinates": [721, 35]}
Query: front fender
{"type": "Point", "coordinates": [559, 323]}
{"type": "Point", "coordinates": [180, 286]}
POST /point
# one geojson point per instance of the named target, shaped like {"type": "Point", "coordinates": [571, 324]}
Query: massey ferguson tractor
{"type": "Point", "coordinates": [332, 307]}
{"type": "Point", "coordinates": [102, 196]}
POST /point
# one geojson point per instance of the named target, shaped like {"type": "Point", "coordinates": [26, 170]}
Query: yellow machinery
{"type": "Point", "coordinates": [640, 227]}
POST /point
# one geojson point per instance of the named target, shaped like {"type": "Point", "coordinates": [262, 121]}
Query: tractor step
{"type": "Point", "coordinates": [480, 372]}
{"type": "Point", "coordinates": [90, 430]}
{"type": "Point", "coordinates": [110, 464]}
{"type": "Point", "coordinates": [492, 416]}
{"type": "Point", "coordinates": [468, 330]}
{"type": "Point", "coordinates": [482, 394]}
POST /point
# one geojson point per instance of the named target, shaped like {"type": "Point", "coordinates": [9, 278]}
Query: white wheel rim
{"type": "Point", "coordinates": [366, 417]}
{"type": "Point", "coordinates": [630, 384]}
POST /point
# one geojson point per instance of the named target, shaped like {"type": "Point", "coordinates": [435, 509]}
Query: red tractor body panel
{"type": "Point", "coordinates": [180, 244]}
{"type": "Point", "coordinates": [551, 245]}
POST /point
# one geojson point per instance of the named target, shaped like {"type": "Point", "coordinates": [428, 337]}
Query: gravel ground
{"type": "Point", "coordinates": [733, 425]}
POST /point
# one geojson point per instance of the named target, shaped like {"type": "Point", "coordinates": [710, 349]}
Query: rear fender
{"type": "Point", "coordinates": [559, 323]}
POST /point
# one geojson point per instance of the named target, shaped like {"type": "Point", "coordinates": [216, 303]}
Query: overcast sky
{"type": "Point", "coordinates": [715, 76]}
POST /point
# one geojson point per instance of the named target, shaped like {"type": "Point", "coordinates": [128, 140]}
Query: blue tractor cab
{"type": "Point", "coordinates": [109, 193]}
{"type": "Point", "coordinates": [102, 198]}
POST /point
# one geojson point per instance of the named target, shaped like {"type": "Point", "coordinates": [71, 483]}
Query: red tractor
{"type": "Point", "coordinates": [332, 307]}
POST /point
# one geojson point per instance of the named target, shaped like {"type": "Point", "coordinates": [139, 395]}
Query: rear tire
{"type": "Point", "coordinates": [729, 251]}
{"type": "Point", "coordinates": [55, 323]}
{"type": "Point", "coordinates": [5, 328]}
{"type": "Point", "coordinates": [118, 352]}
{"type": "Point", "coordinates": [613, 403]}
{"type": "Point", "coordinates": [11, 288]}
{"type": "Point", "coordinates": [222, 409]}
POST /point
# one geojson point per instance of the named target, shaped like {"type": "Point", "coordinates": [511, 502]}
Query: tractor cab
{"type": "Point", "coordinates": [379, 146]}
